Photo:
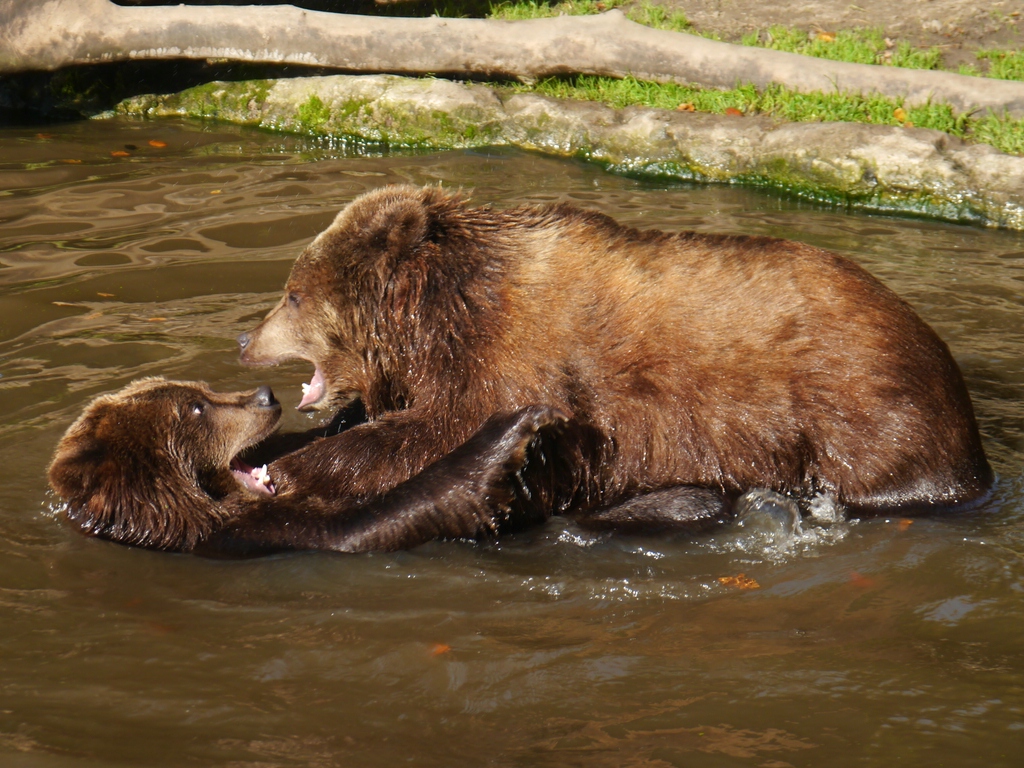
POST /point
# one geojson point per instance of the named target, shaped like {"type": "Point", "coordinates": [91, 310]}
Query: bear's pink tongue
{"type": "Point", "coordinates": [255, 479]}
{"type": "Point", "coordinates": [313, 391]}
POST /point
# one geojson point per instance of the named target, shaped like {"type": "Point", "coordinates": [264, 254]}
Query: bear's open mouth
{"type": "Point", "coordinates": [313, 392]}
{"type": "Point", "coordinates": [256, 479]}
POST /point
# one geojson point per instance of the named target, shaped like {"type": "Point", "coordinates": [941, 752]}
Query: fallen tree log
{"type": "Point", "coordinates": [51, 34]}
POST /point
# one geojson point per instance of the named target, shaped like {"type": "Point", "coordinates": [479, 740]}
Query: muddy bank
{"type": "Point", "coordinates": [867, 167]}
{"type": "Point", "coordinates": [957, 27]}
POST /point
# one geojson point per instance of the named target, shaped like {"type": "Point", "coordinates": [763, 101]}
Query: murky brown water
{"type": "Point", "coordinates": [869, 643]}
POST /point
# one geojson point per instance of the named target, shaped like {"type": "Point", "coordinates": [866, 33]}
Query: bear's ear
{"type": "Point", "coordinates": [91, 481]}
{"type": "Point", "coordinates": [399, 225]}
{"type": "Point", "coordinates": [102, 466]}
{"type": "Point", "coordinates": [139, 499]}
{"type": "Point", "coordinates": [72, 469]}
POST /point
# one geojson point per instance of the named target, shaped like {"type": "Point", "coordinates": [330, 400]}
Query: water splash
{"type": "Point", "coordinates": [771, 528]}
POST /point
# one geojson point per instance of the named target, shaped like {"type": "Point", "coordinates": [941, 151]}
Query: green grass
{"type": "Point", "coordinates": [645, 13]}
{"type": "Point", "coordinates": [1003, 133]}
{"type": "Point", "coordinates": [859, 49]}
{"type": "Point", "coordinates": [656, 16]}
{"type": "Point", "coordinates": [531, 9]}
{"type": "Point", "coordinates": [869, 46]}
{"type": "Point", "coordinates": [1003, 64]}
{"type": "Point", "coordinates": [859, 46]}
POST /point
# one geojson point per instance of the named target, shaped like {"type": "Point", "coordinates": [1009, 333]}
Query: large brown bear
{"type": "Point", "coordinates": [155, 465]}
{"type": "Point", "coordinates": [685, 360]}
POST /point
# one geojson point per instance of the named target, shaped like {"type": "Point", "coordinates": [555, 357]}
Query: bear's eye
{"type": "Point", "coordinates": [198, 408]}
{"type": "Point", "coordinates": [294, 299]}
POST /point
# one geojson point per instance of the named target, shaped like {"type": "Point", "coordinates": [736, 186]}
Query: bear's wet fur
{"type": "Point", "coordinates": [685, 360]}
{"type": "Point", "coordinates": [155, 465]}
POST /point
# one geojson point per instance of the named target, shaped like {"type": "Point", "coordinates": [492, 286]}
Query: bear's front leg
{"type": "Point", "coordinates": [471, 493]}
{"type": "Point", "coordinates": [366, 460]}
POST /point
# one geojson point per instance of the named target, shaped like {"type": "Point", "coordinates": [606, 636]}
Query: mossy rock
{"type": "Point", "coordinates": [866, 167]}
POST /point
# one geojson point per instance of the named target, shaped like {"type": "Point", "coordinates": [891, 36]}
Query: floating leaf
{"type": "Point", "coordinates": [156, 320]}
{"type": "Point", "coordinates": [105, 295]}
{"type": "Point", "coordinates": [733, 111]}
{"type": "Point", "coordinates": [862, 581]}
{"type": "Point", "coordinates": [215, 191]}
{"type": "Point", "coordinates": [157, 143]}
{"type": "Point", "coordinates": [72, 162]}
{"type": "Point", "coordinates": [44, 136]}
{"type": "Point", "coordinates": [740, 581]}
{"type": "Point", "coordinates": [686, 107]}
{"type": "Point", "coordinates": [437, 649]}
{"type": "Point", "coordinates": [120, 153]}
{"type": "Point", "coordinates": [905, 523]}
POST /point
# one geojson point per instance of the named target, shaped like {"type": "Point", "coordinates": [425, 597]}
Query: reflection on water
{"type": "Point", "coordinates": [858, 642]}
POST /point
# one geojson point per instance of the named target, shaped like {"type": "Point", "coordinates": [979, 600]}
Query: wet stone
{"type": "Point", "coordinates": [867, 167]}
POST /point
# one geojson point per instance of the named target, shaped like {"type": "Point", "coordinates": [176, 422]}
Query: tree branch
{"type": "Point", "coordinates": [50, 34]}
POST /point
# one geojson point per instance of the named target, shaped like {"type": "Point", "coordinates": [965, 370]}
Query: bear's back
{"type": "Point", "coordinates": [725, 359]}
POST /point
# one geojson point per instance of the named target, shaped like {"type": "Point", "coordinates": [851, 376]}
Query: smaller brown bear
{"type": "Point", "coordinates": [155, 465]}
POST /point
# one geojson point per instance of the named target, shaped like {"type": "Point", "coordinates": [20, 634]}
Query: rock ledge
{"type": "Point", "coordinates": [867, 167]}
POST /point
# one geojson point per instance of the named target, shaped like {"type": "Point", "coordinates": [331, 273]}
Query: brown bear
{"type": "Point", "coordinates": [685, 360]}
{"type": "Point", "coordinates": [155, 465]}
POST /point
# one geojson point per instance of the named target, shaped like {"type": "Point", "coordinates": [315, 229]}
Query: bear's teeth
{"type": "Point", "coordinates": [305, 389]}
{"type": "Point", "coordinates": [261, 475]}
